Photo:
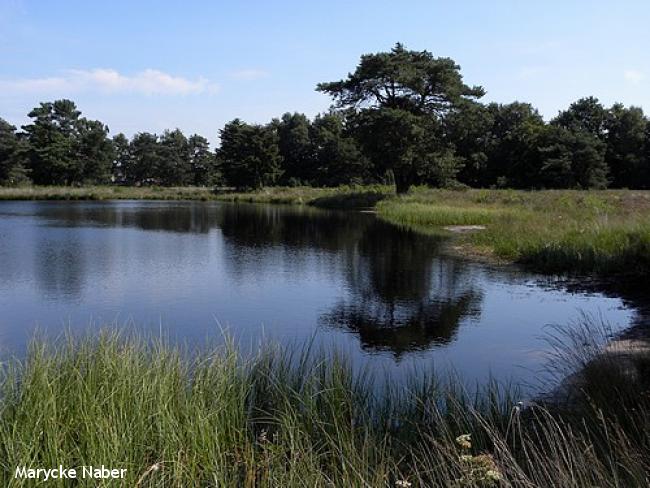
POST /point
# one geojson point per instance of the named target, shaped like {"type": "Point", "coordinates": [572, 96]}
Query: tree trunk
{"type": "Point", "coordinates": [402, 183]}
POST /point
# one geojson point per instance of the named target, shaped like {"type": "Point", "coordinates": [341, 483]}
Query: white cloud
{"type": "Point", "coordinates": [147, 82]}
{"type": "Point", "coordinates": [249, 74]}
{"type": "Point", "coordinates": [634, 76]}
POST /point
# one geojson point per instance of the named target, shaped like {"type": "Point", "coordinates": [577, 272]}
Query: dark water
{"type": "Point", "coordinates": [346, 279]}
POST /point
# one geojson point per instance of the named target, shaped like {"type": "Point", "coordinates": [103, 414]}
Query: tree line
{"type": "Point", "coordinates": [403, 117]}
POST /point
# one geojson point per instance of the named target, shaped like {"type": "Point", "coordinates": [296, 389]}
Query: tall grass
{"type": "Point", "coordinates": [421, 214]}
{"type": "Point", "coordinates": [554, 231]}
{"type": "Point", "coordinates": [342, 197]}
{"type": "Point", "coordinates": [283, 418]}
{"type": "Point", "coordinates": [106, 193]}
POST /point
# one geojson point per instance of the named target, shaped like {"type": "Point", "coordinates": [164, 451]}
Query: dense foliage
{"type": "Point", "coordinates": [402, 117]}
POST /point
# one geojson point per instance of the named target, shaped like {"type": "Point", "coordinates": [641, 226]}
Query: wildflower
{"type": "Point", "coordinates": [493, 475]}
{"type": "Point", "coordinates": [403, 484]}
{"type": "Point", "coordinates": [464, 441]}
{"type": "Point", "coordinates": [151, 469]}
{"type": "Point", "coordinates": [263, 437]}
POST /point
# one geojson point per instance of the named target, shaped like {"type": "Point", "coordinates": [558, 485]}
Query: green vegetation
{"type": "Point", "coordinates": [343, 197]}
{"type": "Point", "coordinates": [250, 155]}
{"type": "Point", "coordinates": [104, 192]}
{"type": "Point", "coordinates": [398, 102]}
{"type": "Point", "coordinates": [554, 231]}
{"type": "Point", "coordinates": [301, 419]}
{"type": "Point", "coordinates": [401, 118]}
{"type": "Point", "coordinates": [425, 214]}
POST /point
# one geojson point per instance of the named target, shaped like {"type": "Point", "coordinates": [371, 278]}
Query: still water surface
{"type": "Point", "coordinates": [385, 295]}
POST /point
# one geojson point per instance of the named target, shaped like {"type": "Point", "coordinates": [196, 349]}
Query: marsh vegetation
{"type": "Point", "coordinates": [178, 417]}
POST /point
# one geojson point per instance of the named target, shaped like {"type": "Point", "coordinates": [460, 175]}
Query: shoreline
{"type": "Point", "coordinates": [590, 232]}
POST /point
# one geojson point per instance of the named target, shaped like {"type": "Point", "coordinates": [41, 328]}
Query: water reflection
{"type": "Point", "coordinates": [182, 217]}
{"type": "Point", "coordinates": [345, 276]}
{"type": "Point", "coordinates": [279, 241]}
{"type": "Point", "coordinates": [399, 298]}
{"type": "Point", "coordinates": [262, 227]}
{"type": "Point", "coordinates": [60, 269]}
{"type": "Point", "coordinates": [402, 299]}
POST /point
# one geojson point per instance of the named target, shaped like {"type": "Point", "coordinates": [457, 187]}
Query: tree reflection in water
{"type": "Point", "coordinates": [358, 279]}
{"type": "Point", "coordinates": [402, 298]}
{"type": "Point", "coordinates": [399, 295]}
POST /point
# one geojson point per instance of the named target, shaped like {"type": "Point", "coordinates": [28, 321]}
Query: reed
{"type": "Point", "coordinates": [298, 417]}
{"type": "Point", "coordinates": [106, 193]}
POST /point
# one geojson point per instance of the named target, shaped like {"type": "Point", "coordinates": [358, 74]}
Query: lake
{"type": "Point", "coordinates": [389, 297]}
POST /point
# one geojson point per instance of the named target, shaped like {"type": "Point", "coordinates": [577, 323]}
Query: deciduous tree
{"type": "Point", "coordinates": [572, 159]}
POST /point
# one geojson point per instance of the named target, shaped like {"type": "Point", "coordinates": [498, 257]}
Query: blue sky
{"type": "Point", "coordinates": [151, 65]}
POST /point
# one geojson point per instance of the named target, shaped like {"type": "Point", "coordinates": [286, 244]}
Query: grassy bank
{"type": "Point", "coordinates": [343, 197]}
{"type": "Point", "coordinates": [285, 419]}
{"type": "Point", "coordinates": [106, 193]}
{"type": "Point", "coordinates": [555, 231]}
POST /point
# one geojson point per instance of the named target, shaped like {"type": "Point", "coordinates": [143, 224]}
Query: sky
{"type": "Point", "coordinates": [154, 65]}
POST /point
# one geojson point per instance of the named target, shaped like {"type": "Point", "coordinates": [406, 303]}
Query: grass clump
{"type": "Point", "coordinates": [341, 197]}
{"type": "Point", "coordinates": [284, 418]}
{"type": "Point", "coordinates": [106, 192]}
{"type": "Point", "coordinates": [422, 214]}
{"type": "Point", "coordinates": [617, 249]}
{"type": "Point", "coordinates": [288, 195]}
{"type": "Point", "coordinates": [605, 232]}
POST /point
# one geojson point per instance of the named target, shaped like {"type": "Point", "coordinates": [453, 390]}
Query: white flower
{"type": "Point", "coordinates": [262, 438]}
{"type": "Point", "coordinates": [464, 441]}
{"type": "Point", "coordinates": [493, 475]}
